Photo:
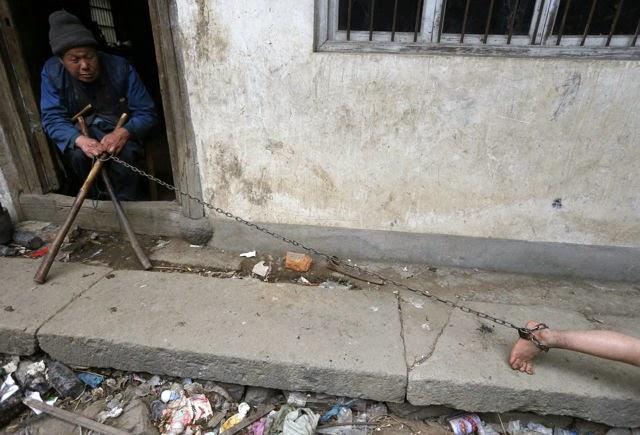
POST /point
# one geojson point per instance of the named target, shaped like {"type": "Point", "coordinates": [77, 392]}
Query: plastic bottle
{"type": "Point", "coordinates": [63, 380]}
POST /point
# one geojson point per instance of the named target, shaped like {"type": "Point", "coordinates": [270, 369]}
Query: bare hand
{"type": "Point", "coordinates": [114, 141]}
{"type": "Point", "coordinates": [91, 147]}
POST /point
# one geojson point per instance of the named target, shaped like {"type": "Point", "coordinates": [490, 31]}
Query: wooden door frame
{"type": "Point", "coordinates": [180, 133]}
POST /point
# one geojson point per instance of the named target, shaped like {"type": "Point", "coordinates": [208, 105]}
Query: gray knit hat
{"type": "Point", "coordinates": [66, 31]}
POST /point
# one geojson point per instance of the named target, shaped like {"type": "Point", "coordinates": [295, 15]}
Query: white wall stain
{"type": "Point", "coordinates": [434, 144]}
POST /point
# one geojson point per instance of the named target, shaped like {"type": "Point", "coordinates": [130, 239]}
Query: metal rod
{"type": "Point", "coordinates": [564, 20]}
{"type": "Point", "coordinates": [464, 20]}
{"type": "Point", "coordinates": [489, 16]}
{"type": "Point", "coordinates": [512, 21]}
{"type": "Point", "coordinates": [441, 23]}
{"type": "Point", "coordinates": [635, 37]}
{"type": "Point", "coordinates": [349, 20]}
{"type": "Point", "coordinates": [393, 24]}
{"type": "Point", "coordinates": [418, 17]}
{"type": "Point", "coordinates": [587, 26]}
{"type": "Point", "coordinates": [373, 7]}
{"type": "Point", "coordinates": [537, 26]}
{"type": "Point", "coordinates": [615, 22]}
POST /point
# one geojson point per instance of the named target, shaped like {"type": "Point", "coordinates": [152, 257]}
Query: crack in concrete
{"type": "Point", "coordinates": [73, 299]}
{"type": "Point", "coordinates": [425, 357]}
{"type": "Point", "coordinates": [404, 343]}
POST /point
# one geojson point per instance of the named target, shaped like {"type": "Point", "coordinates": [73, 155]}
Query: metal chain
{"type": "Point", "coordinates": [331, 258]}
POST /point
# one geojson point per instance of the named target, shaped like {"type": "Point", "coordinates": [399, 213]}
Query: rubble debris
{"type": "Point", "coordinates": [27, 239]}
{"type": "Point", "coordinates": [258, 395]}
{"type": "Point", "coordinates": [298, 262]}
{"type": "Point", "coordinates": [261, 269]}
{"type": "Point", "coordinates": [10, 367]}
{"type": "Point", "coordinates": [64, 380]}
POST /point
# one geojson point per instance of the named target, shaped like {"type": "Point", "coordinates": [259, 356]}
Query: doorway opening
{"type": "Point", "coordinates": [121, 27]}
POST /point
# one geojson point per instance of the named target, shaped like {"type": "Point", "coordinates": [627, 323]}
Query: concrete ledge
{"type": "Point", "coordinates": [25, 306]}
{"type": "Point", "coordinates": [468, 370]}
{"type": "Point", "coordinates": [559, 259]}
{"type": "Point", "coordinates": [240, 331]}
{"type": "Point", "coordinates": [146, 217]}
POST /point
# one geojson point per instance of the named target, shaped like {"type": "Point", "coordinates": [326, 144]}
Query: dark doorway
{"type": "Point", "coordinates": [123, 28]}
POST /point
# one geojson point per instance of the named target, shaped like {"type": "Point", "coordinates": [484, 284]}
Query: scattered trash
{"type": "Point", "coordinates": [64, 380]}
{"type": "Point", "coordinates": [161, 244]}
{"type": "Point", "coordinates": [261, 269]}
{"type": "Point", "coordinates": [110, 413]}
{"type": "Point", "coordinates": [300, 422]}
{"type": "Point", "coordinates": [8, 251]}
{"type": "Point", "coordinates": [298, 262]}
{"type": "Point", "coordinates": [169, 395]}
{"type": "Point", "coordinates": [249, 254]}
{"type": "Point", "coordinates": [36, 396]}
{"type": "Point", "coordinates": [466, 424]}
{"type": "Point", "coordinates": [296, 399]}
{"type": "Point", "coordinates": [243, 410]}
{"type": "Point", "coordinates": [8, 388]}
{"type": "Point", "coordinates": [90, 379]}
{"type": "Point", "coordinates": [31, 376]}
{"type": "Point", "coordinates": [186, 412]}
{"type": "Point", "coordinates": [147, 387]}
{"type": "Point", "coordinates": [10, 367]}
{"type": "Point", "coordinates": [196, 246]}
{"type": "Point", "coordinates": [304, 281]}
{"type": "Point", "coordinates": [27, 239]}
{"type": "Point", "coordinates": [335, 410]}
{"type": "Point", "coordinates": [40, 252]}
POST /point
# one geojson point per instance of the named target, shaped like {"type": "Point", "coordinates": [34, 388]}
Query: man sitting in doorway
{"type": "Point", "coordinates": [78, 75]}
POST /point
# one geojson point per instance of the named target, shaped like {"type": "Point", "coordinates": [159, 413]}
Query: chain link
{"type": "Point", "coordinates": [331, 258]}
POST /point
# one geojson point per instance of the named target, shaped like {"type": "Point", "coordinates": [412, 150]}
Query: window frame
{"type": "Point", "coordinates": [329, 39]}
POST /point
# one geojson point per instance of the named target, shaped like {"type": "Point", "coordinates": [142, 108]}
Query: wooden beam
{"type": "Point", "coordinates": [73, 418]}
{"type": "Point", "coordinates": [27, 107]}
{"type": "Point", "coordinates": [180, 132]}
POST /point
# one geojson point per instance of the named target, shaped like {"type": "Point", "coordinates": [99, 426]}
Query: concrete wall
{"type": "Point", "coordinates": [429, 144]}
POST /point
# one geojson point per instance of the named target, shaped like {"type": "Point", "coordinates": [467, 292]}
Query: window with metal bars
{"type": "Point", "coordinates": [523, 27]}
{"type": "Point", "coordinates": [102, 16]}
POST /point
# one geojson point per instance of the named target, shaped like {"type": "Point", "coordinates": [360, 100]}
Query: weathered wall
{"type": "Point", "coordinates": [8, 179]}
{"type": "Point", "coordinates": [432, 144]}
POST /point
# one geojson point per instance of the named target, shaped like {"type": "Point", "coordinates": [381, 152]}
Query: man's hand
{"type": "Point", "coordinates": [91, 147]}
{"type": "Point", "coordinates": [114, 141]}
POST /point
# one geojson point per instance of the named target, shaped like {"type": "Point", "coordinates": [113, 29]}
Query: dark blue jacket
{"type": "Point", "coordinates": [58, 104]}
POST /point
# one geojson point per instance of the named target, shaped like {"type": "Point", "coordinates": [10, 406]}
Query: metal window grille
{"type": "Point", "coordinates": [570, 26]}
{"type": "Point", "coordinates": [102, 15]}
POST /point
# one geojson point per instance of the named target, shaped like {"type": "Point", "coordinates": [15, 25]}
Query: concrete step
{"type": "Point", "coordinates": [239, 331]}
{"type": "Point", "coordinates": [25, 305]}
{"type": "Point", "coordinates": [467, 368]}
